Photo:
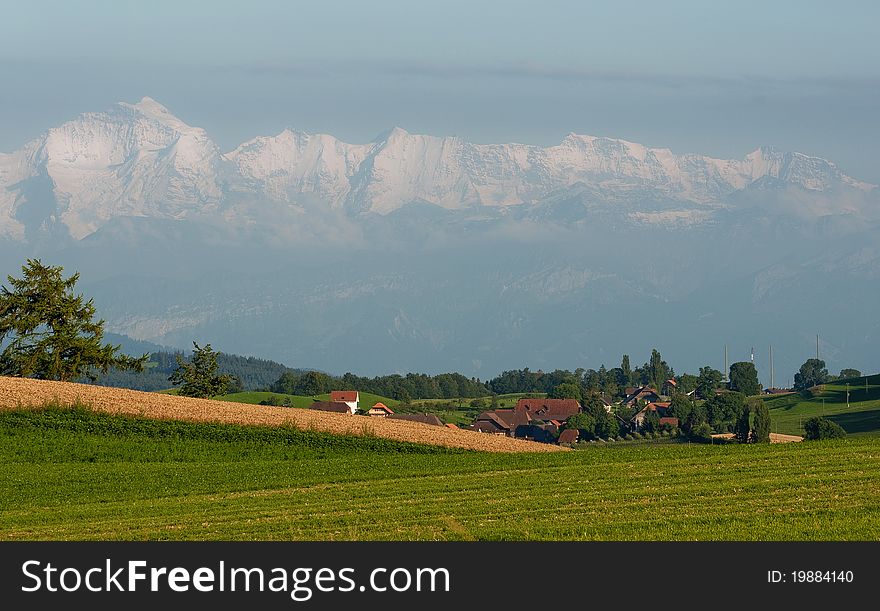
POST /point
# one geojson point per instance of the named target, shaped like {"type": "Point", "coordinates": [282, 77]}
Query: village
{"type": "Point", "coordinates": [545, 420]}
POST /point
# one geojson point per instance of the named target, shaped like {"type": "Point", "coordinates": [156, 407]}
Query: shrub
{"type": "Point", "coordinates": [702, 433]}
{"type": "Point", "coordinates": [817, 428]}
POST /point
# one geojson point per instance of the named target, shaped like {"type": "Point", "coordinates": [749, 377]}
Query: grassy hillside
{"type": "Point", "coordinates": [862, 417]}
{"type": "Point", "coordinates": [254, 397]}
{"type": "Point", "coordinates": [74, 474]}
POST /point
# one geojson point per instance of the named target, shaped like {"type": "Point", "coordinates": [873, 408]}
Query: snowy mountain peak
{"type": "Point", "coordinates": [141, 160]}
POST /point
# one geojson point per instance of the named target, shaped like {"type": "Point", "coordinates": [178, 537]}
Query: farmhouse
{"type": "Point", "coordinates": [331, 406]}
{"type": "Point", "coordinates": [538, 419]}
{"type": "Point", "coordinates": [380, 410]}
{"type": "Point", "coordinates": [548, 409]}
{"type": "Point", "coordinates": [502, 421]}
{"type": "Point", "coordinates": [645, 393]}
{"type": "Point", "coordinates": [350, 397]}
{"type": "Point", "coordinates": [423, 418]}
{"type": "Point", "coordinates": [661, 408]}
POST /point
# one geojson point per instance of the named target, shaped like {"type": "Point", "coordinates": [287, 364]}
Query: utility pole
{"type": "Point", "coordinates": [847, 395]}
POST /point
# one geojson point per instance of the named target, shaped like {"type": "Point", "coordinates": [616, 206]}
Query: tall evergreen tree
{"type": "Point", "coordinates": [742, 426]}
{"type": "Point", "coordinates": [627, 370]}
{"type": "Point", "coordinates": [199, 377]}
{"type": "Point", "coordinates": [49, 331]}
{"type": "Point", "coordinates": [761, 425]}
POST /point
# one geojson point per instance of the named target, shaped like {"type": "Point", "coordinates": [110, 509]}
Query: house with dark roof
{"type": "Point", "coordinates": [423, 418]}
{"type": "Point", "coordinates": [645, 393]}
{"type": "Point", "coordinates": [661, 408]}
{"type": "Point", "coordinates": [501, 421]}
{"type": "Point", "coordinates": [350, 397]}
{"type": "Point", "coordinates": [536, 419]}
{"type": "Point", "coordinates": [331, 406]}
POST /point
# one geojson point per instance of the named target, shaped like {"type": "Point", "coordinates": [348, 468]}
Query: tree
{"type": "Point", "coordinates": [687, 382]}
{"type": "Point", "coordinates": [680, 407]}
{"type": "Point", "coordinates": [850, 373]}
{"type": "Point", "coordinates": [235, 385]}
{"type": "Point", "coordinates": [566, 390]}
{"type": "Point", "coordinates": [812, 373]}
{"type": "Point", "coordinates": [312, 383]}
{"type": "Point", "coordinates": [817, 428]}
{"type": "Point", "coordinates": [49, 332]}
{"type": "Point", "coordinates": [583, 422]}
{"type": "Point", "coordinates": [761, 425]}
{"type": "Point", "coordinates": [199, 377]}
{"type": "Point", "coordinates": [708, 381]}
{"type": "Point", "coordinates": [741, 428]}
{"type": "Point", "coordinates": [626, 370]}
{"type": "Point", "coordinates": [651, 422]}
{"type": "Point", "coordinates": [744, 378]}
{"type": "Point", "coordinates": [722, 409]}
{"type": "Point", "coordinates": [658, 371]}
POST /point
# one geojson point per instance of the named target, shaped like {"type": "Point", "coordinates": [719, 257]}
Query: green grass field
{"type": "Point", "coordinates": [862, 417]}
{"type": "Point", "coordinates": [253, 397]}
{"type": "Point", "coordinates": [73, 474]}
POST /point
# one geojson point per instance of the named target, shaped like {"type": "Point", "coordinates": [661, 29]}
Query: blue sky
{"type": "Point", "coordinates": [716, 78]}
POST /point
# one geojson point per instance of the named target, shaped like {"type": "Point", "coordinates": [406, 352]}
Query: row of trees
{"type": "Point", "coordinates": [403, 388]}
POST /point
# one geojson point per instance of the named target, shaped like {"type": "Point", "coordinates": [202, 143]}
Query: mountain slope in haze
{"type": "Point", "coordinates": [139, 160]}
{"type": "Point", "coordinates": [419, 253]}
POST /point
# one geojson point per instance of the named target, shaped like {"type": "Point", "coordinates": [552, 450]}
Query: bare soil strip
{"type": "Point", "coordinates": [774, 437]}
{"type": "Point", "coordinates": [24, 392]}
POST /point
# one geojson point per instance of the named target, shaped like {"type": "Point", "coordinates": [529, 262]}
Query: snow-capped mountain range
{"type": "Point", "coordinates": [139, 160]}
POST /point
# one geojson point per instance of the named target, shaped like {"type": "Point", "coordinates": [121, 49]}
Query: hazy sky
{"type": "Point", "coordinates": [695, 76]}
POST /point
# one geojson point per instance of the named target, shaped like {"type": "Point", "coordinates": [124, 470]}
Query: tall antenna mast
{"type": "Point", "coordinates": [817, 346]}
{"type": "Point", "coordinates": [772, 381]}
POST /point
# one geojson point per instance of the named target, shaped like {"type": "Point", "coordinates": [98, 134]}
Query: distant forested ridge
{"type": "Point", "coordinates": [253, 373]}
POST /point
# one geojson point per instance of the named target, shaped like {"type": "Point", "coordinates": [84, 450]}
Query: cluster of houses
{"type": "Point", "coordinates": [536, 419]}
{"type": "Point", "coordinates": [348, 402]}
{"type": "Point", "coordinates": [544, 419]}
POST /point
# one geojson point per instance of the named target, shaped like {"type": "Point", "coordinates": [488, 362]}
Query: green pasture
{"type": "Point", "coordinates": [74, 474]}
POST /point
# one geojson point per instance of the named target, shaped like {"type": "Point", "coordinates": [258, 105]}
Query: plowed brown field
{"type": "Point", "coordinates": [15, 392]}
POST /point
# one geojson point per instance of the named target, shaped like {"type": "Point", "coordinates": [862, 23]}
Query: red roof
{"type": "Point", "coordinates": [549, 409]}
{"type": "Point", "coordinates": [672, 421]}
{"type": "Point", "coordinates": [344, 395]}
{"type": "Point", "coordinates": [449, 425]}
{"type": "Point", "coordinates": [568, 436]}
{"type": "Point", "coordinates": [383, 407]}
{"type": "Point", "coordinates": [656, 404]}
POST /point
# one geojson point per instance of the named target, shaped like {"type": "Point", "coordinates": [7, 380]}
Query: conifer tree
{"type": "Point", "coordinates": [49, 331]}
{"type": "Point", "coordinates": [199, 377]}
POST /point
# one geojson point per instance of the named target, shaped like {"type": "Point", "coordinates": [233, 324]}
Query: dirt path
{"type": "Point", "coordinates": [774, 437]}
{"type": "Point", "coordinates": [16, 392]}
